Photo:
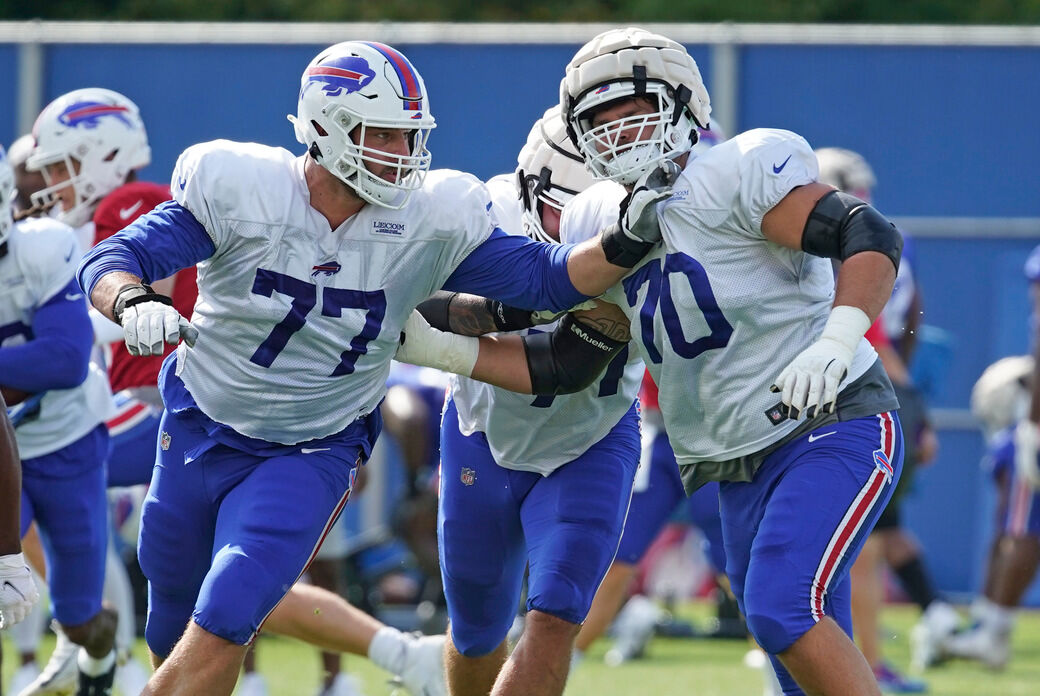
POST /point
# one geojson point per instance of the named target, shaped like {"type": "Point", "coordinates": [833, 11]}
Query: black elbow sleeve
{"type": "Point", "coordinates": [569, 358]}
{"type": "Point", "coordinates": [841, 226]}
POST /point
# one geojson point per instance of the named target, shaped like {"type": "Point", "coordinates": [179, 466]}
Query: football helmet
{"type": "Point", "coordinates": [99, 137]}
{"type": "Point", "coordinates": [7, 194]}
{"type": "Point", "coordinates": [354, 86]}
{"type": "Point", "coordinates": [549, 172]}
{"type": "Point", "coordinates": [1001, 396]}
{"type": "Point", "coordinates": [625, 63]}
{"type": "Point", "coordinates": [846, 171]}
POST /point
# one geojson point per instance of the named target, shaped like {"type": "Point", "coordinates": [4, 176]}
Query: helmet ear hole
{"type": "Point", "coordinates": [318, 129]}
{"type": "Point", "coordinates": [111, 156]}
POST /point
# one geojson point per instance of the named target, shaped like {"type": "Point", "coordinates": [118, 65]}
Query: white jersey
{"type": "Point", "coordinates": [298, 322]}
{"type": "Point", "coordinates": [41, 260]}
{"type": "Point", "coordinates": [718, 311]}
{"type": "Point", "coordinates": [542, 433]}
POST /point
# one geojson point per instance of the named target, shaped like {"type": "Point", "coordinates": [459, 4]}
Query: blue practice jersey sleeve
{"type": "Point", "coordinates": [153, 247]}
{"type": "Point", "coordinates": [58, 355]}
{"type": "Point", "coordinates": [519, 272]}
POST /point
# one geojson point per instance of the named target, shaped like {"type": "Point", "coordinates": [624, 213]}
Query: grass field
{"type": "Point", "coordinates": [672, 667]}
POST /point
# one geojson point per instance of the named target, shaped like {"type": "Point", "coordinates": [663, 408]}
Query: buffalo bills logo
{"type": "Point", "coordinates": [89, 114]}
{"type": "Point", "coordinates": [337, 76]}
{"type": "Point", "coordinates": [329, 268]}
{"type": "Point", "coordinates": [882, 462]}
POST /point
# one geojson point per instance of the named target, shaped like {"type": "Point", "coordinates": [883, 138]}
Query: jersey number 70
{"type": "Point", "coordinates": [659, 293]}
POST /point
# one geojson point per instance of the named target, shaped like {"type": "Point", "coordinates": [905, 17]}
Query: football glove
{"type": "Point", "coordinates": [18, 592]}
{"type": "Point", "coordinates": [810, 383]}
{"type": "Point", "coordinates": [423, 345]}
{"type": "Point", "coordinates": [638, 229]}
{"type": "Point", "coordinates": [149, 321]}
{"type": "Point", "coordinates": [1027, 438]}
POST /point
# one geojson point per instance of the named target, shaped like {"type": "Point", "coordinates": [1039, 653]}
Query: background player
{"type": "Point", "coordinates": [45, 363]}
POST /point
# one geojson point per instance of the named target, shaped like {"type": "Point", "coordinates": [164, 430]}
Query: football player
{"type": "Point", "coordinates": [766, 382]}
{"type": "Point", "coordinates": [539, 483]}
{"type": "Point", "coordinates": [308, 268]}
{"type": "Point", "coordinates": [60, 400]}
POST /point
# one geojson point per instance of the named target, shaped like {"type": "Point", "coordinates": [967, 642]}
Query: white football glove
{"type": "Point", "coordinates": [148, 326]}
{"type": "Point", "coordinates": [1027, 439]}
{"type": "Point", "coordinates": [423, 345]}
{"type": "Point", "coordinates": [547, 316]}
{"type": "Point", "coordinates": [812, 379]}
{"type": "Point", "coordinates": [18, 592]}
{"type": "Point", "coordinates": [638, 218]}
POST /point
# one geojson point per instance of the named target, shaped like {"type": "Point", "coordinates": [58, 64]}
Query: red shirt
{"type": "Point", "coordinates": [116, 211]}
{"type": "Point", "coordinates": [876, 335]}
{"type": "Point", "coordinates": [648, 393]}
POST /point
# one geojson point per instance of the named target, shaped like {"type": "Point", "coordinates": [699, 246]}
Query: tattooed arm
{"type": "Point", "coordinates": [472, 315]}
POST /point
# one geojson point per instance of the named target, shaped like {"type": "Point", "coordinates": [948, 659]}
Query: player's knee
{"type": "Point", "coordinates": [477, 640]}
{"type": "Point", "coordinates": [770, 623]}
{"type": "Point", "coordinates": [561, 597]}
{"type": "Point", "coordinates": [96, 635]}
{"type": "Point", "coordinates": [548, 629]}
{"type": "Point", "coordinates": [168, 616]}
{"type": "Point", "coordinates": [236, 595]}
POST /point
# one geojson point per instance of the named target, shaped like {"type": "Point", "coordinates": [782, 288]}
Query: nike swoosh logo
{"type": "Point", "coordinates": [183, 183]}
{"type": "Point", "coordinates": [8, 583]}
{"type": "Point", "coordinates": [307, 450]}
{"type": "Point", "coordinates": [73, 296]}
{"type": "Point", "coordinates": [68, 256]}
{"type": "Point", "coordinates": [813, 437]}
{"type": "Point", "coordinates": [777, 168]}
{"type": "Point", "coordinates": [125, 213]}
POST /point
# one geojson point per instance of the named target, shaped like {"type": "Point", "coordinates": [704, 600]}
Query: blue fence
{"type": "Point", "coordinates": [950, 131]}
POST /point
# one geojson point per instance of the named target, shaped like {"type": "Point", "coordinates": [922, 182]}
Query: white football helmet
{"type": "Point", "coordinates": [846, 171]}
{"type": "Point", "coordinates": [1001, 396]}
{"type": "Point", "coordinates": [549, 172]}
{"type": "Point", "coordinates": [624, 63]}
{"type": "Point", "coordinates": [7, 195]}
{"type": "Point", "coordinates": [99, 137]}
{"type": "Point", "coordinates": [353, 86]}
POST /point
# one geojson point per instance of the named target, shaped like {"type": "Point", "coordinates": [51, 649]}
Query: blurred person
{"type": "Point", "coordinates": [747, 237]}
{"type": "Point", "coordinates": [26, 182]}
{"type": "Point", "coordinates": [893, 336]}
{"type": "Point", "coordinates": [61, 400]}
{"type": "Point", "coordinates": [272, 234]}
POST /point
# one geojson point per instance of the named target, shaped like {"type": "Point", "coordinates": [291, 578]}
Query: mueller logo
{"type": "Point", "coordinates": [596, 343]}
{"type": "Point", "coordinates": [89, 114]}
{"type": "Point", "coordinates": [337, 76]}
{"type": "Point", "coordinates": [393, 229]}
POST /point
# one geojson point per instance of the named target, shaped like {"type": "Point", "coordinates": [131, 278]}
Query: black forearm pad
{"type": "Point", "coordinates": [622, 250]}
{"type": "Point", "coordinates": [434, 309]}
{"type": "Point", "coordinates": [842, 225]}
{"type": "Point", "coordinates": [569, 358]}
{"type": "Point", "coordinates": [134, 294]}
{"type": "Point", "coordinates": [508, 318]}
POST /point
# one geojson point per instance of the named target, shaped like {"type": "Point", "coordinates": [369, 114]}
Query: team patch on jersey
{"type": "Point", "coordinates": [468, 476]}
{"type": "Point", "coordinates": [882, 462]}
{"type": "Point", "coordinates": [329, 268]}
{"type": "Point", "coordinates": [391, 229]}
{"type": "Point", "coordinates": [164, 441]}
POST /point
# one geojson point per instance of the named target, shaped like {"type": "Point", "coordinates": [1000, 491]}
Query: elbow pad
{"type": "Point", "coordinates": [569, 358]}
{"type": "Point", "coordinates": [842, 225]}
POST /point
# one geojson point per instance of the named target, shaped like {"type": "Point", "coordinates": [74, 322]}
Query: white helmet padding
{"type": "Point", "coordinates": [549, 172]}
{"type": "Point", "coordinates": [625, 63]}
{"type": "Point", "coordinates": [1000, 398]}
{"type": "Point", "coordinates": [845, 170]}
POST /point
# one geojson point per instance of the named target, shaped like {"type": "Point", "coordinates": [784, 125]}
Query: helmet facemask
{"type": "Point", "coordinates": [625, 149]}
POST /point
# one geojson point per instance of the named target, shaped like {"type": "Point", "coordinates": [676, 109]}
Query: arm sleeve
{"type": "Point", "coordinates": [519, 272]}
{"type": "Point", "coordinates": [58, 355]}
{"type": "Point", "coordinates": [154, 246]}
